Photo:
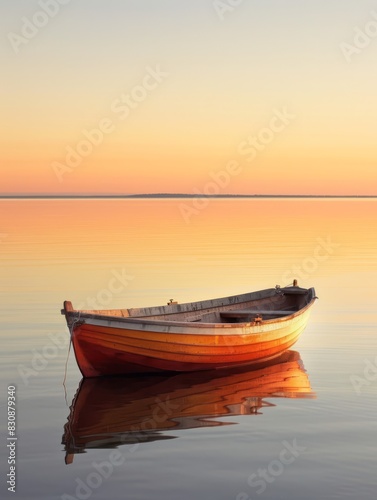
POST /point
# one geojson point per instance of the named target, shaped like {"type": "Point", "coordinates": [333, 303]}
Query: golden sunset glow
{"type": "Point", "coordinates": [158, 97]}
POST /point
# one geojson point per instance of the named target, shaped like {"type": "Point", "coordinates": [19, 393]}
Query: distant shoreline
{"type": "Point", "coordinates": [180, 196]}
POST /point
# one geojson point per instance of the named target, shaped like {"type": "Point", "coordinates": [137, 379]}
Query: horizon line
{"type": "Point", "coordinates": [179, 195]}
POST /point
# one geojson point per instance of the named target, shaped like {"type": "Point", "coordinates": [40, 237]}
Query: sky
{"type": "Point", "coordinates": [199, 97]}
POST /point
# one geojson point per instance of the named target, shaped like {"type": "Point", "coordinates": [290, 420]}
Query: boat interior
{"type": "Point", "coordinates": [264, 305]}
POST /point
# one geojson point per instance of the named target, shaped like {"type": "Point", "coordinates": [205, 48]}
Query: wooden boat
{"type": "Point", "coordinates": [109, 412]}
{"type": "Point", "coordinates": [218, 333]}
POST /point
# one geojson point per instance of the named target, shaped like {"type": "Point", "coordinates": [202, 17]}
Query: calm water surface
{"type": "Point", "coordinates": [302, 427]}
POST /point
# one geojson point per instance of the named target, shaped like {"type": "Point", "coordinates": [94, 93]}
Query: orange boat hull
{"type": "Point", "coordinates": [112, 351]}
{"type": "Point", "coordinates": [121, 342]}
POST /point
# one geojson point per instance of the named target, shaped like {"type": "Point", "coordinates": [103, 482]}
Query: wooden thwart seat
{"type": "Point", "coordinates": [248, 312]}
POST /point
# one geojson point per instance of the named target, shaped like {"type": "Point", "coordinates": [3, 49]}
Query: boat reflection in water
{"type": "Point", "coordinates": [108, 412]}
